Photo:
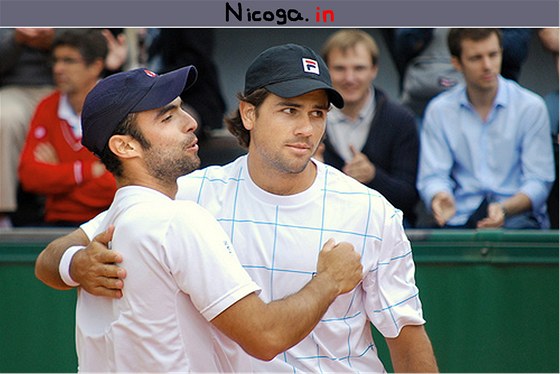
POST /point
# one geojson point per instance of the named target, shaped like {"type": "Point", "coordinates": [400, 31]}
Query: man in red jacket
{"type": "Point", "coordinates": [53, 162]}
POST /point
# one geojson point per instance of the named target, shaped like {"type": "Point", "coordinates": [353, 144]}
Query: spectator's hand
{"type": "Point", "coordinates": [118, 50]}
{"type": "Point", "coordinates": [550, 38]}
{"type": "Point", "coordinates": [341, 263]}
{"type": "Point", "coordinates": [359, 168]}
{"type": "Point", "coordinates": [443, 207]}
{"type": "Point", "coordinates": [319, 153]}
{"type": "Point", "coordinates": [94, 267]}
{"type": "Point", "coordinates": [97, 169]}
{"type": "Point", "coordinates": [496, 217]}
{"type": "Point", "coordinates": [38, 38]}
{"type": "Point", "coordinates": [45, 153]}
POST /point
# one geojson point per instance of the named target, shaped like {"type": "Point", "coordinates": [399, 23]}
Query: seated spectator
{"type": "Point", "coordinates": [372, 139]}
{"type": "Point", "coordinates": [25, 79]}
{"type": "Point", "coordinates": [422, 58]}
{"type": "Point", "coordinates": [423, 61]}
{"type": "Point", "coordinates": [486, 157]}
{"type": "Point", "coordinates": [54, 162]}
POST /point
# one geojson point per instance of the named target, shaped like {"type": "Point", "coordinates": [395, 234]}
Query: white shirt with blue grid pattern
{"type": "Point", "coordinates": [278, 239]}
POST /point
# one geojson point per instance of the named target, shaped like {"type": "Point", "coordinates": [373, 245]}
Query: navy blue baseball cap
{"type": "Point", "coordinates": [118, 95]}
{"type": "Point", "coordinates": [290, 70]}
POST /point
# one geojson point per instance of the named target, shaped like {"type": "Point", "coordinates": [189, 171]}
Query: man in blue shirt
{"type": "Point", "coordinates": [486, 158]}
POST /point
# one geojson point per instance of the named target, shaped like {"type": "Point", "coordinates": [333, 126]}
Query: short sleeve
{"type": "Point", "coordinates": [91, 227]}
{"type": "Point", "coordinates": [392, 299]}
{"type": "Point", "coordinates": [203, 261]}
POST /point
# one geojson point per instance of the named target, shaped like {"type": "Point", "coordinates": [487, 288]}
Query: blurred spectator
{"type": "Point", "coordinates": [25, 78]}
{"type": "Point", "coordinates": [423, 62]}
{"type": "Point", "coordinates": [423, 59]}
{"type": "Point", "coordinates": [171, 48]}
{"type": "Point", "coordinates": [515, 50]}
{"type": "Point", "coordinates": [486, 157]}
{"type": "Point", "coordinates": [549, 38]}
{"type": "Point", "coordinates": [372, 139]}
{"type": "Point", "coordinates": [53, 161]}
{"type": "Point", "coordinates": [117, 46]}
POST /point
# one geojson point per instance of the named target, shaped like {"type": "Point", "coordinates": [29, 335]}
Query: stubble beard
{"type": "Point", "coordinates": [167, 166]}
{"type": "Point", "coordinates": [286, 165]}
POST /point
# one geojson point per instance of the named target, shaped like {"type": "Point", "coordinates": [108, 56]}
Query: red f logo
{"type": "Point", "coordinates": [310, 66]}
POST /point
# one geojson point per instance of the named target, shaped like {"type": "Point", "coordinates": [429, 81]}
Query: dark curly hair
{"type": "Point", "coordinates": [235, 123]}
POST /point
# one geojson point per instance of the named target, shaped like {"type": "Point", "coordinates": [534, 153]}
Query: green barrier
{"type": "Point", "coordinates": [490, 300]}
{"type": "Point", "coordinates": [36, 322]}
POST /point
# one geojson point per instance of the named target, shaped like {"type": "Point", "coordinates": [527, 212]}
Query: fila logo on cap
{"type": "Point", "coordinates": [310, 66]}
{"type": "Point", "coordinates": [150, 73]}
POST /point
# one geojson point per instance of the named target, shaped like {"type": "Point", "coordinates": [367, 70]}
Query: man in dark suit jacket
{"type": "Point", "coordinates": [372, 139]}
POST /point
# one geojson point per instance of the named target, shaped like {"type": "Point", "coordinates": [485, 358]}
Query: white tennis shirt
{"type": "Point", "coordinates": [278, 239]}
{"type": "Point", "coordinates": [181, 273]}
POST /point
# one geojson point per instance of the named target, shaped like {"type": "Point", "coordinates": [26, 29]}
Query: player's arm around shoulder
{"type": "Point", "coordinates": [265, 330]}
{"type": "Point", "coordinates": [93, 266]}
{"type": "Point", "coordinates": [47, 263]}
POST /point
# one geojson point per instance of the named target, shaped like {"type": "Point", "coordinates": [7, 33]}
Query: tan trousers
{"type": "Point", "coordinates": [17, 105]}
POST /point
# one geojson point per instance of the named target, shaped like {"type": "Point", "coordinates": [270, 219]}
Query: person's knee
{"type": "Point", "coordinates": [13, 108]}
{"type": "Point", "coordinates": [14, 118]}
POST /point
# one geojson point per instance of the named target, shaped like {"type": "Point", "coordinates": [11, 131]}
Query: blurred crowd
{"type": "Point", "coordinates": [456, 149]}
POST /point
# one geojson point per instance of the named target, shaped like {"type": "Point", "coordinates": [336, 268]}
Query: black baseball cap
{"type": "Point", "coordinates": [138, 90]}
{"type": "Point", "coordinates": [290, 70]}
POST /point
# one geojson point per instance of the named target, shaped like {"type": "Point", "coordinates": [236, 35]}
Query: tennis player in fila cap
{"type": "Point", "coordinates": [185, 287]}
{"type": "Point", "coordinates": [278, 205]}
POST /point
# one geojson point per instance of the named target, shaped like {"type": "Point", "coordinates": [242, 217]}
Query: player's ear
{"type": "Point", "coordinates": [248, 114]}
{"type": "Point", "coordinates": [124, 146]}
{"type": "Point", "coordinates": [98, 65]}
{"type": "Point", "coordinates": [374, 69]}
{"type": "Point", "coordinates": [456, 62]}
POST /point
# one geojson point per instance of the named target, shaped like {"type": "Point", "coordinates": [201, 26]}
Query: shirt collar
{"type": "Point", "coordinates": [366, 111]}
{"type": "Point", "coordinates": [66, 113]}
{"type": "Point", "coordinates": [501, 97]}
{"type": "Point", "coordinates": [499, 101]}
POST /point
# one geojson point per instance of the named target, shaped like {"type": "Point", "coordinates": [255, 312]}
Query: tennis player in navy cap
{"type": "Point", "coordinates": [278, 206]}
{"type": "Point", "coordinates": [185, 287]}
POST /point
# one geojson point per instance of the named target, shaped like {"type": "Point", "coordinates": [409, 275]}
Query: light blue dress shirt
{"type": "Point", "coordinates": [472, 159]}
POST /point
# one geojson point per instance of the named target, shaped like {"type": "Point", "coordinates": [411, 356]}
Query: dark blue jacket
{"type": "Point", "coordinates": [392, 146]}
